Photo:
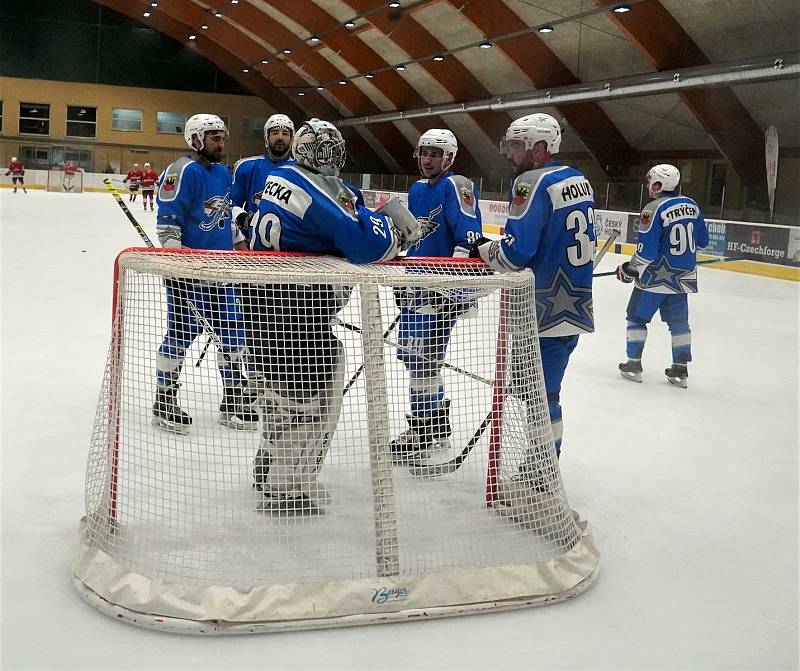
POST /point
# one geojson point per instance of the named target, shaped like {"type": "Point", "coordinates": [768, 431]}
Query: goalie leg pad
{"type": "Point", "coordinates": [296, 434]}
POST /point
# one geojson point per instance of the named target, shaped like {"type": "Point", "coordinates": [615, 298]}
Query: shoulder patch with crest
{"type": "Point", "coordinates": [169, 182]}
{"type": "Point", "coordinates": [466, 196]}
{"type": "Point", "coordinates": [646, 214]}
{"type": "Point", "coordinates": [346, 200]}
{"type": "Point", "coordinates": [521, 193]}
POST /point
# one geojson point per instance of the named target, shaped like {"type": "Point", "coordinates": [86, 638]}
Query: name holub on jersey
{"type": "Point", "coordinates": [286, 195]}
{"type": "Point", "coordinates": [679, 211]}
{"type": "Point", "coordinates": [570, 191]}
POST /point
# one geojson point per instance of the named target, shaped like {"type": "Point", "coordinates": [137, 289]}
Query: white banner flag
{"type": "Point", "coordinates": [771, 152]}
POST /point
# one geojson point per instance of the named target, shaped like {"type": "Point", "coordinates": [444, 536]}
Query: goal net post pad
{"type": "Point", "coordinates": [178, 535]}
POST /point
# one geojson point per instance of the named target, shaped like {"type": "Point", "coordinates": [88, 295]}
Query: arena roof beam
{"type": "Point", "coordinates": [663, 41]}
{"type": "Point", "coordinates": [363, 59]}
{"type": "Point", "coordinates": [451, 75]}
{"type": "Point", "coordinates": [544, 69]}
{"type": "Point", "coordinates": [234, 51]}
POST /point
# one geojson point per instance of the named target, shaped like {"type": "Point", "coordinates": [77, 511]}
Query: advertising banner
{"type": "Point", "coordinates": [717, 230]}
{"type": "Point", "coordinates": [758, 243]}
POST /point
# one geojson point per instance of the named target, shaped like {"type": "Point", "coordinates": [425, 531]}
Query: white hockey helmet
{"type": "Point", "coordinates": [440, 138]}
{"type": "Point", "coordinates": [667, 174]}
{"type": "Point", "coordinates": [13, 158]}
{"type": "Point", "coordinates": [531, 129]}
{"type": "Point", "coordinates": [319, 146]}
{"type": "Point", "coordinates": [146, 165]}
{"type": "Point", "coordinates": [278, 121]}
{"type": "Point", "coordinates": [135, 165]}
{"type": "Point", "coordinates": [198, 125]}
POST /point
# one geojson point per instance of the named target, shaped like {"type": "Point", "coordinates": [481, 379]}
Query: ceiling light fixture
{"type": "Point", "coordinates": [146, 14]}
{"type": "Point", "coordinates": [343, 82]}
{"type": "Point", "coordinates": [400, 67]}
{"type": "Point", "coordinates": [300, 93]}
{"type": "Point", "coordinates": [264, 61]}
{"type": "Point", "coordinates": [204, 26]}
{"type": "Point", "coordinates": [486, 44]}
{"type": "Point", "coordinates": [350, 24]}
{"type": "Point", "coordinates": [192, 36]}
{"type": "Point", "coordinates": [218, 14]}
{"type": "Point", "coordinates": [621, 9]}
{"type": "Point", "coordinates": [320, 88]}
{"type": "Point", "coordinates": [545, 29]}
{"type": "Point", "coordinates": [287, 51]}
{"type": "Point", "coordinates": [438, 58]}
{"type": "Point", "coordinates": [394, 5]}
{"type": "Point", "coordinates": [369, 75]}
{"type": "Point", "coordinates": [245, 70]}
{"type": "Point", "coordinates": [313, 39]}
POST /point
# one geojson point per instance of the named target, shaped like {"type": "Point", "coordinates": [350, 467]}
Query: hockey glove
{"type": "Point", "coordinates": [626, 272]}
{"type": "Point", "coordinates": [405, 224]}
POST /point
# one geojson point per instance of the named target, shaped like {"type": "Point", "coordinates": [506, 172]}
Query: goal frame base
{"type": "Point", "coordinates": [96, 567]}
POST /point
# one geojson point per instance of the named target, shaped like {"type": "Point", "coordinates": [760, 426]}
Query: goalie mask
{"type": "Point", "coordinates": [319, 146]}
{"type": "Point", "coordinates": [438, 138]}
{"type": "Point", "coordinates": [198, 125]}
{"type": "Point", "coordinates": [667, 174]}
{"type": "Point", "coordinates": [531, 129]}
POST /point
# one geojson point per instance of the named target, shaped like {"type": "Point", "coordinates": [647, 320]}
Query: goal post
{"type": "Point", "coordinates": [62, 180]}
{"type": "Point", "coordinates": [177, 536]}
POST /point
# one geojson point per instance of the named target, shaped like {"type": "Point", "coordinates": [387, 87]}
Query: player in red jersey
{"type": "Point", "coordinates": [148, 181]}
{"type": "Point", "coordinates": [135, 177]}
{"type": "Point", "coordinates": [17, 172]}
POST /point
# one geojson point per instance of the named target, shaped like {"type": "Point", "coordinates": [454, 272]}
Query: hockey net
{"type": "Point", "coordinates": [64, 181]}
{"type": "Point", "coordinates": [177, 537]}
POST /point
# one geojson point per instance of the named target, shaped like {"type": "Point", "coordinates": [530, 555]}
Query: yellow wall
{"type": "Point", "coordinates": [113, 143]}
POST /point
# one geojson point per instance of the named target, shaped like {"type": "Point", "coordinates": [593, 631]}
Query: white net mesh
{"type": "Point", "coordinates": [253, 474]}
{"type": "Point", "coordinates": [64, 181]}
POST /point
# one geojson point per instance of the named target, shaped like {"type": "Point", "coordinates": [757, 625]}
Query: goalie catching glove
{"type": "Point", "coordinates": [627, 272]}
{"type": "Point", "coordinates": [405, 225]}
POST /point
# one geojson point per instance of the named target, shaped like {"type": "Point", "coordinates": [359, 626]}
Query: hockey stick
{"type": "Point", "coordinates": [605, 248]}
{"type": "Point", "coordinates": [195, 312]}
{"type": "Point", "coordinates": [358, 330]}
{"type": "Point", "coordinates": [408, 350]}
{"type": "Point", "coordinates": [699, 263]}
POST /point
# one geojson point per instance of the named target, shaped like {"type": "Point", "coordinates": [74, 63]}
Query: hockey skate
{"type": "Point", "coordinates": [167, 414]}
{"type": "Point", "coordinates": [423, 435]}
{"type": "Point", "coordinates": [631, 370]}
{"type": "Point", "coordinates": [677, 374]}
{"type": "Point", "coordinates": [236, 410]}
{"type": "Point", "coordinates": [281, 504]}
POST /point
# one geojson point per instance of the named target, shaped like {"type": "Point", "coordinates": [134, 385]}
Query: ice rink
{"type": "Point", "coordinates": [692, 494]}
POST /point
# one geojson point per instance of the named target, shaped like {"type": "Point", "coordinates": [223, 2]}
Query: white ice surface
{"type": "Point", "coordinates": [693, 494]}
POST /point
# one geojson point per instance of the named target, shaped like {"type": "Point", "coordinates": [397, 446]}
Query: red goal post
{"type": "Point", "coordinates": [176, 537]}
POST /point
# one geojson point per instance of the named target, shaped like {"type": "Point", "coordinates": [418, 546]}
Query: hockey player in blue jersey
{"type": "Point", "coordinates": [306, 207]}
{"type": "Point", "coordinates": [550, 229]}
{"type": "Point", "coordinates": [671, 227]}
{"type": "Point", "coordinates": [250, 174]}
{"type": "Point", "coordinates": [194, 211]}
{"type": "Point", "coordinates": [446, 205]}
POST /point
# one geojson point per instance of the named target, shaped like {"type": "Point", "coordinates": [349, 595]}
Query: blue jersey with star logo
{"type": "Point", "coordinates": [194, 206]}
{"type": "Point", "coordinates": [550, 229]}
{"type": "Point", "coordinates": [448, 213]}
{"type": "Point", "coordinates": [671, 228]}
{"type": "Point", "coordinates": [249, 176]}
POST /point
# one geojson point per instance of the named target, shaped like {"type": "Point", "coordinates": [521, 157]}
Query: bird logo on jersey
{"type": "Point", "coordinates": [521, 193]}
{"type": "Point", "coordinates": [428, 225]}
{"type": "Point", "coordinates": [219, 209]}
